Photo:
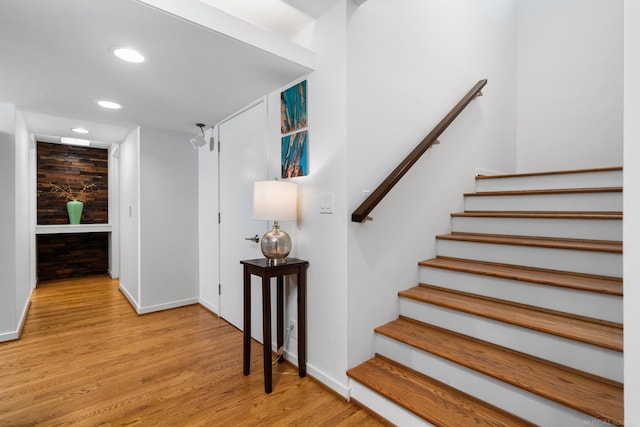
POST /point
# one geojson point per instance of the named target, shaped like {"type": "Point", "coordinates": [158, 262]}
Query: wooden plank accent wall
{"type": "Point", "coordinates": [75, 166]}
{"type": "Point", "coordinates": [71, 255]}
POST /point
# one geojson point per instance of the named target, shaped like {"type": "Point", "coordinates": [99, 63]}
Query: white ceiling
{"type": "Point", "coordinates": [55, 64]}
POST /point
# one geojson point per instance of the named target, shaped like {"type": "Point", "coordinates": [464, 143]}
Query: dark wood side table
{"type": "Point", "coordinates": [260, 267]}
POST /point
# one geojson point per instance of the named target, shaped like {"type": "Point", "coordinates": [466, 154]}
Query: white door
{"type": "Point", "coordinates": [243, 160]}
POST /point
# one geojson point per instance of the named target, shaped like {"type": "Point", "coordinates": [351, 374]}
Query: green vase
{"type": "Point", "coordinates": [74, 208]}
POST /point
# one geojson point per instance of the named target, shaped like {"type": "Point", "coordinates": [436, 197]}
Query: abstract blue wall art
{"type": "Point", "coordinates": [293, 108]}
{"type": "Point", "coordinates": [294, 155]}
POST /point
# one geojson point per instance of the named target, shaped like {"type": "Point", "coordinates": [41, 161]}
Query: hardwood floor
{"type": "Point", "coordinates": [86, 358]}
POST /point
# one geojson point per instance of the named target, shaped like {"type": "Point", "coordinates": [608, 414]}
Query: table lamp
{"type": "Point", "coordinates": [277, 201]}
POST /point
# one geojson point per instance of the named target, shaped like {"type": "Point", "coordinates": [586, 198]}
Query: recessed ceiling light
{"type": "Point", "coordinates": [110, 105]}
{"type": "Point", "coordinates": [128, 54]}
{"type": "Point", "coordinates": [75, 141]}
{"type": "Point", "coordinates": [79, 130]}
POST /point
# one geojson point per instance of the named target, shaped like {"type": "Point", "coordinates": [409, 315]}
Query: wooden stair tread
{"type": "Point", "coordinates": [545, 191]}
{"type": "Point", "coordinates": [546, 215]}
{"type": "Point", "coordinates": [432, 400]}
{"type": "Point", "coordinates": [597, 397]}
{"type": "Point", "coordinates": [599, 284]}
{"type": "Point", "coordinates": [596, 332]}
{"type": "Point", "coordinates": [561, 172]}
{"type": "Point", "coordinates": [544, 242]}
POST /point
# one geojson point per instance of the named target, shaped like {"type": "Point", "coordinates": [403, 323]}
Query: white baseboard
{"type": "Point", "coordinates": [342, 389]}
{"type": "Point", "coordinates": [25, 312]}
{"type": "Point", "coordinates": [167, 305]}
{"type": "Point", "coordinates": [129, 298]}
{"type": "Point", "coordinates": [157, 307]}
{"type": "Point", "coordinates": [212, 308]}
{"type": "Point", "coordinates": [14, 335]}
{"type": "Point", "coordinates": [9, 336]}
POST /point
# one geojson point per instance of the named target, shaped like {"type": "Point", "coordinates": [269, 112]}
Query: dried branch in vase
{"type": "Point", "coordinates": [87, 193]}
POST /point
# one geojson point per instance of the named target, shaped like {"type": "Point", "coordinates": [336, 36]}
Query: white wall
{"type": "Point", "coordinates": [15, 235]}
{"type": "Point", "coordinates": [410, 62]}
{"type": "Point", "coordinates": [24, 230]}
{"type": "Point", "coordinates": [114, 210]}
{"type": "Point", "coordinates": [130, 217]}
{"type": "Point", "coordinates": [321, 238]}
{"type": "Point", "coordinates": [208, 224]}
{"type": "Point", "coordinates": [569, 84]}
{"type": "Point", "coordinates": [168, 220]}
{"type": "Point", "coordinates": [8, 310]}
{"type": "Point", "coordinates": [632, 210]}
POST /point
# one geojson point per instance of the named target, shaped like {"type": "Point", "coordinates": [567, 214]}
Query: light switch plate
{"type": "Point", "coordinates": [326, 203]}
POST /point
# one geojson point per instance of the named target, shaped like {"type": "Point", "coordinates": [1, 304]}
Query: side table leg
{"type": "Point", "coordinates": [302, 321]}
{"type": "Point", "coordinates": [246, 334]}
{"type": "Point", "coordinates": [280, 314]}
{"type": "Point", "coordinates": [266, 332]}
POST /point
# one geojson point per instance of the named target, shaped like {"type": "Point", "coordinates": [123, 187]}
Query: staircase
{"type": "Point", "coordinates": [518, 320]}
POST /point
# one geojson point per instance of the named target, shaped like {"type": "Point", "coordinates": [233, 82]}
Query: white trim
{"type": "Point", "coordinates": [14, 335]}
{"type": "Point", "coordinates": [157, 307]}
{"type": "Point", "coordinates": [73, 228]}
{"type": "Point", "coordinates": [9, 336]}
{"type": "Point", "coordinates": [128, 296]}
{"type": "Point", "coordinates": [385, 408]}
{"type": "Point", "coordinates": [167, 305]}
{"type": "Point", "coordinates": [25, 312]}
{"type": "Point", "coordinates": [208, 306]}
{"type": "Point", "coordinates": [335, 385]}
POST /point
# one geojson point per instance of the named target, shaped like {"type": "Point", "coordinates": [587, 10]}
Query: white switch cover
{"type": "Point", "coordinates": [326, 203]}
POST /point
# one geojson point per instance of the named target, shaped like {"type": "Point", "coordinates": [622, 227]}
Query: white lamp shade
{"type": "Point", "coordinates": [275, 200]}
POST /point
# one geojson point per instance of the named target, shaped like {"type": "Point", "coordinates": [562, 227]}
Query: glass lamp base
{"type": "Point", "coordinates": [276, 245]}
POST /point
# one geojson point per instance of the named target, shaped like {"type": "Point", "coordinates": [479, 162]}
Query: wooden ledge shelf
{"type": "Point", "coordinates": [73, 228]}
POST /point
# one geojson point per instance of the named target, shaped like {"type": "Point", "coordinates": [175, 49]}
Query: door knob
{"type": "Point", "coordinates": [255, 238]}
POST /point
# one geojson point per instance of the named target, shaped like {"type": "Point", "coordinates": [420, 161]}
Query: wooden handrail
{"type": "Point", "coordinates": [361, 214]}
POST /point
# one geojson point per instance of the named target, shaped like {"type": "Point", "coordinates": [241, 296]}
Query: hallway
{"type": "Point", "coordinates": [86, 358]}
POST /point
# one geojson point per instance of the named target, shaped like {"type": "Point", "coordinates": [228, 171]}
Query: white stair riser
{"type": "Point", "coordinates": [384, 407]}
{"type": "Point", "coordinates": [585, 357]}
{"type": "Point", "coordinates": [594, 229]}
{"type": "Point", "coordinates": [587, 262]}
{"type": "Point", "coordinates": [512, 399]}
{"type": "Point", "coordinates": [582, 303]}
{"type": "Point", "coordinates": [576, 202]}
{"type": "Point", "coordinates": [545, 182]}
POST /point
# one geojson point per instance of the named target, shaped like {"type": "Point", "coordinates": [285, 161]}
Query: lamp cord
{"type": "Point", "coordinates": [280, 352]}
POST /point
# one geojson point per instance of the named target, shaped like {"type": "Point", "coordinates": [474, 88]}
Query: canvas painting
{"type": "Point", "coordinates": [293, 108]}
{"type": "Point", "coordinates": [294, 155]}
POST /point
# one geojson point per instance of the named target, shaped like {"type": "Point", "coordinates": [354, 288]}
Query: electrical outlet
{"type": "Point", "coordinates": [293, 329]}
